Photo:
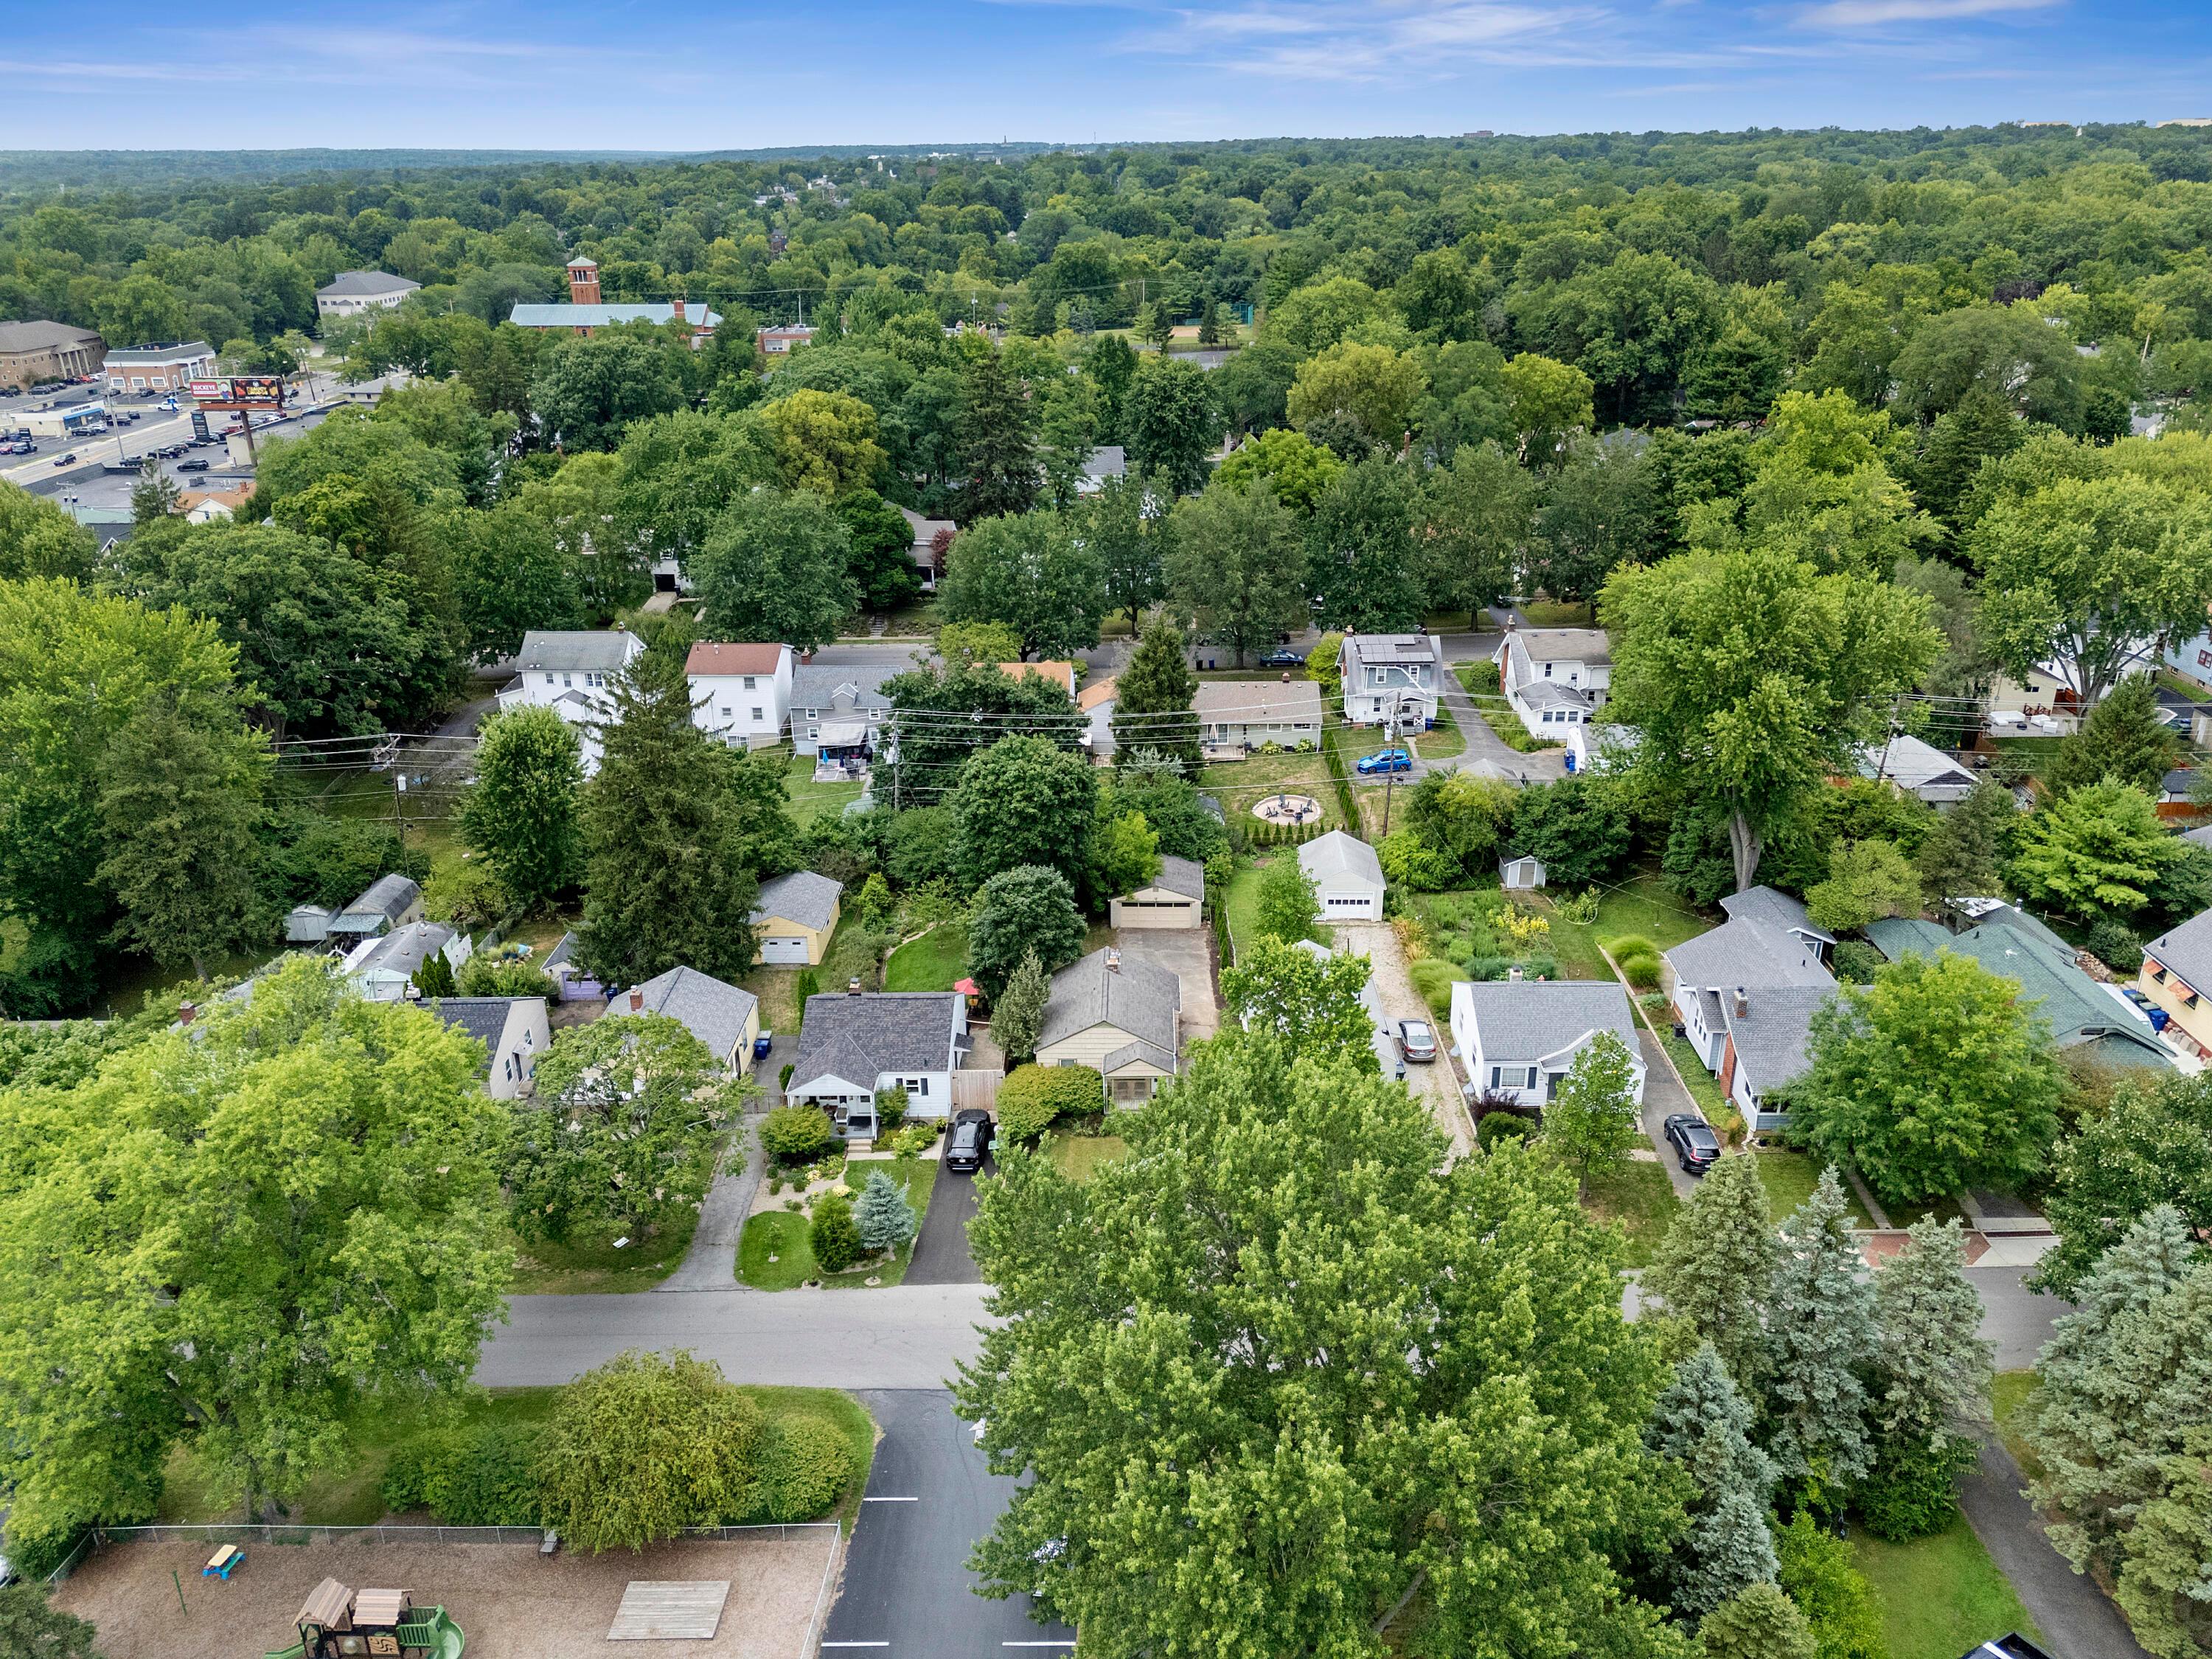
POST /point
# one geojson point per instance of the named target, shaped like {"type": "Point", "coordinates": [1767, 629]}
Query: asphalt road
{"type": "Point", "coordinates": [941, 1255]}
{"type": "Point", "coordinates": [907, 1592]}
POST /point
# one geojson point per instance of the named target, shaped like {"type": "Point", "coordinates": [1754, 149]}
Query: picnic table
{"type": "Point", "coordinates": [221, 1563]}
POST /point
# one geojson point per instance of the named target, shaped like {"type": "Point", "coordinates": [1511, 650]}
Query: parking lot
{"type": "Point", "coordinates": [907, 1592]}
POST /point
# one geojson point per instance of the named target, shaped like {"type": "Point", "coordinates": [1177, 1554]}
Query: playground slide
{"type": "Point", "coordinates": [431, 1628]}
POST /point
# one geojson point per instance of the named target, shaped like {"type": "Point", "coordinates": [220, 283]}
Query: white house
{"type": "Point", "coordinates": [740, 693]}
{"type": "Point", "coordinates": [1518, 1037]}
{"type": "Point", "coordinates": [853, 1044]}
{"type": "Point", "coordinates": [722, 1017]}
{"type": "Point", "coordinates": [353, 291]}
{"type": "Point", "coordinates": [1347, 877]}
{"type": "Point", "coordinates": [1918, 769]}
{"type": "Point", "coordinates": [1390, 677]}
{"type": "Point", "coordinates": [925, 552]}
{"type": "Point", "coordinates": [572, 673]}
{"type": "Point", "coordinates": [1769, 961]}
{"type": "Point", "coordinates": [1095, 702]}
{"type": "Point", "coordinates": [514, 1031]}
{"type": "Point", "coordinates": [1769, 1031]}
{"type": "Point", "coordinates": [1554, 678]}
{"type": "Point", "coordinates": [383, 968]}
{"type": "Point", "coordinates": [837, 711]}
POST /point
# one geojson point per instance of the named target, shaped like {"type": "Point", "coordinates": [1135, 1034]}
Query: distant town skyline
{"type": "Point", "coordinates": [566, 76]}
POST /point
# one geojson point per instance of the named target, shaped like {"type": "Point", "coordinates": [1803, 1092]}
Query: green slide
{"type": "Point", "coordinates": [432, 1629]}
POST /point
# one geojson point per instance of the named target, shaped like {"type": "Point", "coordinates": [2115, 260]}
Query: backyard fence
{"type": "Point", "coordinates": [380, 1531]}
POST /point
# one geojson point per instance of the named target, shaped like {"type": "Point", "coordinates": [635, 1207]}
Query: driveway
{"type": "Point", "coordinates": [1188, 953]}
{"type": "Point", "coordinates": [907, 1592]}
{"type": "Point", "coordinates": [1390, 998]}
{"type": "Point", "coordinates": [1485, 750]}
{"type": "Point", "coordinates": [2074, 1615]}
{"type": "Point", "coordinates": [711, 1263]}
{"type": "Point", "coordinates": [941, 1255]}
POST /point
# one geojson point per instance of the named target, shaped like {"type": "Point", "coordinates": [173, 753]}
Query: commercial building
{"type": "Point", "coordinates": [585, 311]}
{"type": "Point", "coordinates": [34, 353]}
{"type": "Point", "coordinates": [355, 291]}
{"type": "Point", "coordinates": [159, 367]}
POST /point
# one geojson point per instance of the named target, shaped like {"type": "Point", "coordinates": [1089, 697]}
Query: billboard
{"type": "Point", "coordinates": [211, 391]}
{"type": "Point", "coordinates": [242, 392]}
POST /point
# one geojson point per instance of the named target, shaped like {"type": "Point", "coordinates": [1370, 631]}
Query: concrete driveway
{"type": "Point", "coordinates": [1188, 953]}
{"type": "Point", "coordinates": [1391, 997]}
{"type": "Point", "coordinates": [907, 1592]}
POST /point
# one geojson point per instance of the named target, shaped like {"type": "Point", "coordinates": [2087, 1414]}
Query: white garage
{"type": "Point", "coordinates": [1347, 877]}
{"type": "Point", "coordinates": [1174, 898]}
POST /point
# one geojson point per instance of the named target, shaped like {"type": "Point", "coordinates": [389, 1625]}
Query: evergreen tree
{"type": "Point", "coordinates": [31, 1627]}
{"type": "Point", "coordinates": [1819, 1332]}
{"type": "Point", "coordinates": [1704, 1423]}
{"type": "Point", "coordinates": [1211, 324]}
{"type": "Point", "coordinates": [884, 1216]}
{"type": "Point", "coordinates": [520, 813]}
{"type": "Point", "coordinates": [665, 880]}
{"type": "Point", "coordinates": [2162, 1585]}
{"type": "Point", "coordinates": [998, 443]}
{"type": "Point", "coordinates": [1964, 855]}
{"type": "Point", "coordinates": [2126, 737]}
{"type": "Point", "coordinates": [435, 978]}
{"type": "Point", "coordinates": [1935, 1367]}
{"type": "Point", "coordinates": [1715, 1265]}
{"type": "Point", "coordinates": [1019, 1014]}
{"type": "Point", "coordinates": [1762, 1623]}
{"type": "Point", "coordinates": [1152, 698]}
{"type": "Point", "coordinates": [152, 497]}
{"type": "Point", "coordinates": [1977, 426]}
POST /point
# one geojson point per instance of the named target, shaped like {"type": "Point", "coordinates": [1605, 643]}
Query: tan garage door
{"type": "Point", "coordinates": [1154, 913]}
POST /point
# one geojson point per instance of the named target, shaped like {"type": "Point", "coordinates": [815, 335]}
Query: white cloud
{"type": "Point", "coordinates": [1874, 14]}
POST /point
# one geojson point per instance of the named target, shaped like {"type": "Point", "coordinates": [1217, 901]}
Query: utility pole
{"type": "Point", "coordinates": [1391, 777]}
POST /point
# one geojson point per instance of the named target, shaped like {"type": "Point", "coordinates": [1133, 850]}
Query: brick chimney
{"type": "Point", "coordinates": [1742, 1002]}
{"type": "Point", "coordinates": [637, 1002]}
{"type": "Point", "coordinates": [583, 282]}
{"type": "Point", "coordinates": [853, 986]}
{"type": "Point", "coordinates": [677, 304]}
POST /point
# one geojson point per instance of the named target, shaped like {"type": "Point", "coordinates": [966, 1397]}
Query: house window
{"type": "Point", "coordinates": [749, 686]}
{"type": "Point", "coordinates": [567, 679]}
{"type": "Point", "coordinates": [549, 679]}
{"type": "Point", "coordinates": [1548, 671]}
{"type": "Point", "coordinates": [918, 1087]}
{"type": "Point", "coordinates": [757, 713]}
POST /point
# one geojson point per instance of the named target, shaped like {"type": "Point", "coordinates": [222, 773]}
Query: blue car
{"type": "Point", "coordinates": [1385, 760]}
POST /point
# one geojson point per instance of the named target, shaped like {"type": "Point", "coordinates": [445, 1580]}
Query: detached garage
{"type": "Point", "coordinates": [1347, 877]}
{"type": "Point", "coordinates": [1174, 898]}
{"type": "Point", "coordinates": [795, 917]}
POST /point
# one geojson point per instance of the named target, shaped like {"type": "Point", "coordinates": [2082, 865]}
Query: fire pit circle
{"type": "Point", "coordinates": [1287, 809]}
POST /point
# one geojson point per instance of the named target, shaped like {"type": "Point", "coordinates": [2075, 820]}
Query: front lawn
{"type": "Point", "coordinates": [1642, 1199]}
{"type": "Point", "coordinates": [931, 963]}
{"type": "Point", "coordinates": [809, 799]}
{"type": "Point", "coordinates": [783, 1234]}
{"type": "Point", "coordinates": [1081, 1156]}
{"type": "Point", "coordinates": [594, 1267]}
{"type": "Point", "coordinates": [1240, 902]}
{"type": "Point", "coordinates": [1551, 613]}
{"type": "Point", "coordinates": [1790, 1179]}
{"type": "Point", "coordinates": [1940, 1596]}
{"type": "Point", "coordinates": [347, 1493]}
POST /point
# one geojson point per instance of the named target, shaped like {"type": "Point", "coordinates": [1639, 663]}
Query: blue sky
{"type": "Point", "coordinates": [620, 74]}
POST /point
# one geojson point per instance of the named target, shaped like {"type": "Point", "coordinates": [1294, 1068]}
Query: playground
{"type": "Point", "coordinates": [510, 1602]}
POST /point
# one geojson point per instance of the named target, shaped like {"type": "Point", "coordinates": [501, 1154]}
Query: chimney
{"type": "Point", "coordinates": [1513, 974]}
{"type": "Point", "coordinates": [1113, 960]}
{"type": "Point", "coordinates": [677, 303]}
{"type": "Point", "coordinates": [853, 986]}
{"type": "Point", "coordinates": [637, 1002]}
{"type": "Point", "coordinates": [1742, 1002]}
{"type": "Point", "coordinates": [583, 283]}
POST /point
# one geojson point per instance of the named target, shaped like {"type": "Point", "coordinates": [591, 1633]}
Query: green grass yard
{"type": "Point", "coordinates": [195, 1492]}
{"type": "Point", "coordinates": [594, 1268]}
{"type": "Point", "coordinates": [1551, 613]}
{"type": "Point", "coordinates": [1240, 784]}
{"type": "Point", "coordinates": [931, 963]}
{"type": "Point", "coordinates": [1081, 1156]}
{"type": "Point", "coordinates": [1790, 1179]}
{"type": "Point", "coordinates": [1642, 1199]}
{"type": "Point", "coordinates": [809, 799]}
{"type": "Point", "coordinates": [1940, 1596]}
{"type": "Point", "coordinates": [2008, 1393]}
{"type": "Point", "coordinates": [1241, 900]}
{"type": "Point", "coordinates": [1640, 907]}
{"type": "Point", "coordinates": [783, 1234]}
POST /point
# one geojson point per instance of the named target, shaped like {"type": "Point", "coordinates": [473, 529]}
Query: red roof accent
{"type": "Point", "coordinates": [714, 657]}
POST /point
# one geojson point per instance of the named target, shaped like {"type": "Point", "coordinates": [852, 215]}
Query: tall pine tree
{"type": "Point", "coordinates": [1819, 1333]}
{"type": "Point", "coordinates": [1964, 855]}
{"type": "Point", "coordinates": [998, 443]}
{"type": "Point", "coordinates": [666, 884]}
{"type": "Point", "coordinates": [1935, 1397]}
{"type": "Point", "coordinates": [1715, 1265]}
{"type": "Point", "coordinates": [1702, 1423]}
{"type": "Point", "coordinates": [1152, 699]}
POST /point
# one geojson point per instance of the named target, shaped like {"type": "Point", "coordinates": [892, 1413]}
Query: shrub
{"type": "Point", "coordinates": [1034, 1097]}
{"type": "Point", "coordinates": [1409, 861]}
{"type": "Point", "coordinates": [1433, 980]}
{"type": "Point", "coordinates": [805, 1466]}
{"type": "Point", "coordinates": [1856, 961]}
{"type": "Point", "coordinates": [1502, 1126]}
{"type": "Point", "coordinates": [1630, 944]}
{"type": "Point", "coordinates": [891, 1110]}
{"type": "Point", "coordinates": [914, 1139]}
{"type": "Point", "coordinates": [835, 1235]}
{"type": "Point", "coordinates": [2115, 944]}
{"type": "Point", "coordinates": [1642, 969]}
{"type": "Point", "coordinates": [795, 1133]}
{"type": "Point", "coordinates": [882, 1214]}
{"type": "Point", "coordinates": [647, 1445]}
{"type": "Point", "coordinates": [482, 1474]}
{"type": "Point", "coordinates": [1817, 1575]}
{"type": "Point", "coordinates": [783, 1077]}
{"type": "Point", "coordinates": [1913, 1491]}
{"type": "Point", "coordinates": [504, 977]}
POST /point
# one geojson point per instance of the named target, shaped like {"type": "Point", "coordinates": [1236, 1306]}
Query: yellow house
{"type": "Point", "coordinates": [1123, 1017]}
{"type": "Point", "coordinates": [2177, 976]}
{"type": "Point", "coordinates": [794, 918]}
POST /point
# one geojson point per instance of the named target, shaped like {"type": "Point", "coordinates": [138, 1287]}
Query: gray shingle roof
{"type": "Point", "coordinates": [404, 949]}
{"type": "Point", "coordinates": [1771, 1033]}
{"type": "Point", "coordinates": [710, 1009]}
{"type": "Point", "coordinates": [1907, 761]}
{"type": "Point", "coordinates": [40, 336]}
{"type": "Point", "coordinates": [592, 651]}
{"type": "Point", "coordinates": [2201, 837]}
{"type": "Point", "coordinates": [1759, 945]}
{"type": "Point", "coordinates": [2187, 950]}
{"type": "Point", "coordinates": [1257, 703]}
{"type": "Point", "coordinates": [1585, 645]}
{"type": "Point", "coordinates": [1524, 1020]}
{"type": "Point", "coordinates": [1183, 875]}
{"type": "Point", "coordinates": [388, 897]}
{"type": "Point", "coordinates": [559, 955]}
{"type": "Point", "coordinates": [155, 356]}
{"type": "Point", "coordinates": [875, 1032]}
{"type": "Point", "coordinates": [802, 897]}
{"type": "Point", "coordinates": [349, 284]}
{"type": "Point", "coordinates": [484, 1019]}
{"type": "Point", "coordinates": [1339, 854]}
{"type": "Point", "coordinates": [813, 687]}
{"type": "Point", "coordinates": [1140, 998]}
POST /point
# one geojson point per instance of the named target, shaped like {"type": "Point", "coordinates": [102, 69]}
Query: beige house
{"type": "Point", "coordinates": [794, 918]}
{"type": "Point", "coordinates": [1122, 1017]}
{"type": "Point", "coordinates": [2177, 971]}
{"type": "Point", "coordinates": [1246, 714]}
{"type": "Point", "coordinates": [1174, 898]}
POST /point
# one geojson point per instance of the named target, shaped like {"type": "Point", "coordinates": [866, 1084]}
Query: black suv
{"type": "Point", "coordinates": [971, 1139]}
{"type": "Point", "coordinates": [1694, 1142]}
